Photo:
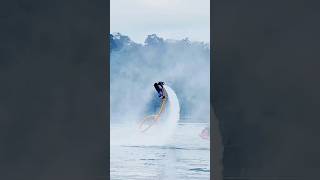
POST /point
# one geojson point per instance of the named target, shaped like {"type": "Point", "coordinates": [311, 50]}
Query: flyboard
{"type": "Point", "coordinates": [151, 120]}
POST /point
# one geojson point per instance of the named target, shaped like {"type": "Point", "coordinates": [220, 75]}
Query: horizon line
{"type": "Point", "coordinates": [117, 32]}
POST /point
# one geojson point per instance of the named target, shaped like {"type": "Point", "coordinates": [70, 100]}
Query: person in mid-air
{"type": "Point", "coordinates": [159, 88]}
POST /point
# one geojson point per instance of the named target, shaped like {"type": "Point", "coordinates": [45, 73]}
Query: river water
{"type": "Point", "coordinates": [183, 156]}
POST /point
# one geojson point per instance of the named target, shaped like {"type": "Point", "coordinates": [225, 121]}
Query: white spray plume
{"type": "Point", "coordinates": [158, 134]}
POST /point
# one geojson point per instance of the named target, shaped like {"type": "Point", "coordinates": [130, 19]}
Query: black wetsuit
{"type": "Point", "coordinates": [159, 88]}
{"type": "Point", "coordinates": [156, 86]}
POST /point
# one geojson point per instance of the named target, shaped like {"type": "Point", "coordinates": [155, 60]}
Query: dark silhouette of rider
{"type": "Point", "coordinates": [159, 88]}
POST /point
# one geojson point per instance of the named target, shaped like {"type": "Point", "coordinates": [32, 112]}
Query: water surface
{"type": "Point", "coordinates": [184, 156]}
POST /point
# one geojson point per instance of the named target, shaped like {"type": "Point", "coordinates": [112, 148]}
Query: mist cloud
{"type": "Point", "coordinates": [182, 64]}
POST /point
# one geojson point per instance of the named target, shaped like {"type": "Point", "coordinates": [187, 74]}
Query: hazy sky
{"type": "Point", "coordinates": [170, 19]}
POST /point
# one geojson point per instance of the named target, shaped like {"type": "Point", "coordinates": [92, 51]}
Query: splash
{"type": "Point", "coordinates": [158, 134]}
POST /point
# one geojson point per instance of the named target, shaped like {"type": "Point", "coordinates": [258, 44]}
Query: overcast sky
{"type": "Point", "coordinates": [170, 19]}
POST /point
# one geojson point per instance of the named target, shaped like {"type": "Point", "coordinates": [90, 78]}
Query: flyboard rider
{"type": "Point", "coordinates": [159, 88]}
